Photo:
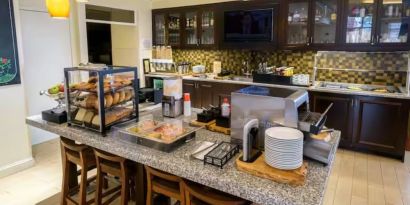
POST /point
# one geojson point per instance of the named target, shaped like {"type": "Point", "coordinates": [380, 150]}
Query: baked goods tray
{"type": "Point", "coordinates": [163, 136]}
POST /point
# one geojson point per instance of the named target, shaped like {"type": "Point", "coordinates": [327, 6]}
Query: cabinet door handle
{"type": "Point", "coordinates": [372, 40]}
{"type": "Point", "coordinates": [207, 86]}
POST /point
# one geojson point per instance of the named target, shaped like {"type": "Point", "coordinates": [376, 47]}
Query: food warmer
{"type": "Point", "coordinates": [101, 96]}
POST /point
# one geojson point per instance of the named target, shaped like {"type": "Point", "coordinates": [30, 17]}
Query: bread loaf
{"type": "Point", "coordinates": [128, 95]}
{"type": "Point", "coordinates": [116, 98]}
{"type": "Point", "coordinates": [122, 96]}
{"type": "Point", "coordinates": [108, 100]}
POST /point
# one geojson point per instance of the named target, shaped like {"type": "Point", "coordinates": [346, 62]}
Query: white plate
{"type": "Point", "coordinates": [286, 167]}
{"type": "Point", "coordinates": [284, 133]}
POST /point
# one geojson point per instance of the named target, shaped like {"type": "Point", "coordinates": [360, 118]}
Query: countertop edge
{"type": "Point", "coordinates": [313, 88]}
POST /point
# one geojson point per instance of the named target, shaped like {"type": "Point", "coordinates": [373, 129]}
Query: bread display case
{"type": "Point", "coordinates": [99, 97]}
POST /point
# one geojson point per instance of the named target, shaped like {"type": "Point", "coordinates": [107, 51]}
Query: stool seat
{"type": "Point", "coordinates": [74, 155]}
{"type": "Point", "coordinates": [198, 194]}
{"type": "Point", "coordinates": [118, 167]}
{"type": "Point", "coordinates": [163, 183]}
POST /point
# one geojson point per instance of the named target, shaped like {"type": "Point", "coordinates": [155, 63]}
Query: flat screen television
{"type": "Point", "coordinates": [248, 26]}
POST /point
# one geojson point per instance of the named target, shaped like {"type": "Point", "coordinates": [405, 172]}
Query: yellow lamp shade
{"type": "Point", "coordinates": [58, 8]}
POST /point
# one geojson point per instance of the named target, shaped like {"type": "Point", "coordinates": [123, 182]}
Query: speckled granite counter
{"type": "Point", "coordinates": [228, 179]}
{"type": "Point", "coordinates": [315, 88]}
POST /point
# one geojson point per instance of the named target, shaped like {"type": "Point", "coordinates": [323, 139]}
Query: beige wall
{"type": "Point", "coordinates": [15, 147]}
{"type": "Point", "coordinates": [156, 4]}
{"type": "Point", "coordinates": [143, 28]}
{"type": "Point", "coordinates": [125, 42]}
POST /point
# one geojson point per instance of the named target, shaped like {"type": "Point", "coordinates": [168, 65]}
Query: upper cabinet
{"type": "Point", "coordinates": [377, 24]}
{"type": "Point", "coordinates": [167, 28]}
{"type": "Point", "coordinates": [199, 30]}
{"type": "Point", "coordinates": [189, 27]}
{"type": "Point", "coordinates": [325, 19]}
{"type": "Point", "coordinates": [310, 23]}
{"type": "Point", "coordinates": [393, 22]}
{"type": "Point", "coordinates": [298, 23]}
{"type": "Point", "coordinates": [358, 25]}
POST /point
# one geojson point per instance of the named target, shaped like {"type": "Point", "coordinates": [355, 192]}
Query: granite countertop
{"type": "Point", "coordinates": [178, 162]}
{"type": "Point", "coordinates": [310, 88]}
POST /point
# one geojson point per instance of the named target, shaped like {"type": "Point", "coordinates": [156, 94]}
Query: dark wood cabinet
{"type": "Point", "coordinates": [339, 116]}
{"type": "Point", "coordinates": [312, 24]}
{"type": "Point", "coordinates": [381, 125]}
{"type": "Point", "coordinates": [204, 94]}
{"type": "Point", "coordinates": [375, 25]}
{"type": "Point", "coordinates": [374, 124]}
{"type": "Point", "coordinates": [166, 28]}
{"type": "Point", "coordinates": [185, 27]}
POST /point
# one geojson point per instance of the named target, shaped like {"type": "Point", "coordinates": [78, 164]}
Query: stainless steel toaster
{"type": "Point", "coordinates": [272, 107]}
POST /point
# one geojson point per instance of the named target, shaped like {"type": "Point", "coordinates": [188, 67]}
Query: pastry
{"type": "Point", "coordinates": [93, 80]}
{"type": "Point", "coordinates": [88, 117]}
{"type": "Point", "coordinates": [89, 101]}
{"type": "Point", "coordinates": [80, 114]}
{"type": "Point", "coordinates": [96, 120]}
{"type": "Point", "coordinates": [122, 96]}
{"type": "Point", "coordinates": [108, 100]}
{"type": "Point", "coordinates": [128, 95]}
{"type": "Point", "coordinates": [116, 98]}
{"type": "Point", "coordinates": [96, 104]}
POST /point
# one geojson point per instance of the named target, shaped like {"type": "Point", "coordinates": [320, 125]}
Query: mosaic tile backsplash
{"type": "Point", "coordinates": [362, 68]}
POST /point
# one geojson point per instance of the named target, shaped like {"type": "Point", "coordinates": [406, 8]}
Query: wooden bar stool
{"type": "Point", "coordinates": [163, 183]}
{"type": "Point", "coordinates": [74, 155]}
{"type": "Point", "coordinates": [196, 194]}
{"type": "Point", "coordinates": [108, 164]}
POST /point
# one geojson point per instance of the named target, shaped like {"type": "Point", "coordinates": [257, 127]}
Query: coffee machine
{"type": "Point", "coordinates": [172, 102]}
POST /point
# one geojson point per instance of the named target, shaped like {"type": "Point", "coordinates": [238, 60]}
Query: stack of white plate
{"type": "Point", "coordinates": [284, 148]}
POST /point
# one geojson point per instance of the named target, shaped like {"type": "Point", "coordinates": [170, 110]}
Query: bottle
{"type": "Point", "coordinates": [226, 108]}
{"type": "Point", "coordinates": [187, 104]}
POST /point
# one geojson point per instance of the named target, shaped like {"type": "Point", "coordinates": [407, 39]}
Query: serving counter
{"type": "Point", "coordinates": [178, 162]}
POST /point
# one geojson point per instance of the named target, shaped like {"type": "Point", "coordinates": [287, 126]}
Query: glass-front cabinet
{"type": "Point", "coordinates": [174, 29]}
{"type": "Point", "coordinates": [298, 23]}
{"type": "Point", "coordinates": [159, 29]}
{"type": "Point", "coordinates": [325, 21]}
{"type": "Point", "coordinates": [191, 29]}
{"type": "Point", "coordinates": [207, 28]}
{"type": "Point", "coordinates": [199, 29]}
{"type": "Point", "coordinates": [360, 22]}
{"type": "Point", "coordinates": [393, 22]}
{"type": "Point", "coordinates": [377, 23]}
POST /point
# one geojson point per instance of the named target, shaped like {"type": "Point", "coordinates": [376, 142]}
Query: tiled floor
{"type": "Point", "coordinates": [356, 179]}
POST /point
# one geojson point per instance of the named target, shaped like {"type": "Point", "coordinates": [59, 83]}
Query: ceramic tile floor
{"type": "Point", "coordinates": [357, 178]}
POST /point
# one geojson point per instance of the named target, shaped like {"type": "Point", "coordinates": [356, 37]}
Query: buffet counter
{"type": "Point", "coordinates": [178, 162]}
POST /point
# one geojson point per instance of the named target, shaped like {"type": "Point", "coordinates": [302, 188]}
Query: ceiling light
{"type": "Point", "coordinates": [59, 9]}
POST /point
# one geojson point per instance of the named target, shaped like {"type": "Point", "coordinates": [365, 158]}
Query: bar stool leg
{"type": "Point", "coordinates": [125, 185]}
{"type": "Point", "coordinates": [98, 191]}
{"type": "Point", "coordinates": [65, 185]}
{"type": "Point", "coordinates": [149, 192]}
{"type": "Point", "coordinates": [83, 187]}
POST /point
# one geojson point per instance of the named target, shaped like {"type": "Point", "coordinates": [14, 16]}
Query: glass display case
{"type": "Point", "coordinates": [297, 26]}
{"type": "Point", "coordinates": [360, 18]}
{"type": "Point", "coordinates": [100, 97]}
{"type": "Point", "coordinates": [393, 24]}
{"type": "Point", "coordinates": [324, 28]}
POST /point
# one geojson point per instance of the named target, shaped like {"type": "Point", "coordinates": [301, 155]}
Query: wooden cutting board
{"type": "Point", "coordinates": [259, 168]}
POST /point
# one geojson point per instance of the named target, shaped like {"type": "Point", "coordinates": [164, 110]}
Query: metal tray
{"type": "Point", "coordinates": [142, 137]}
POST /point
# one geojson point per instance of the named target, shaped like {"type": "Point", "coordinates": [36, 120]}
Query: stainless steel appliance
{"type": "Point", "coordinates": [271, 107]}
{"type": "Point", "coordinates": [171, 107]}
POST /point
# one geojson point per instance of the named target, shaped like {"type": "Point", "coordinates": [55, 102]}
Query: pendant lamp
{"type": "Point", "coordinates": [59, 9]}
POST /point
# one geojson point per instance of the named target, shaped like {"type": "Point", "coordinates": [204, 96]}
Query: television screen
{"type": "Point", "coordinates": [254, 25]}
